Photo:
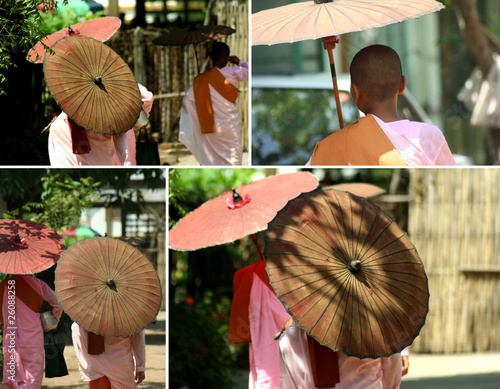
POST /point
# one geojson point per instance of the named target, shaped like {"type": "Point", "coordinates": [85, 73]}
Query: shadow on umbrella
{"type": "Point", "coordinates": [347, 273]}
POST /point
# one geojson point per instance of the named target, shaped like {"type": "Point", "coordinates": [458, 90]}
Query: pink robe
{"type": "Point", "coordinates": [28, 349]}
{"type": "Point", "coordinates": [105, 149]}
{"type": "Point", "coordinates": [419, 144]}
{"type": "Point", "coordinates": [355, 373]}
{"type": "Point", "coordinates": [122, 357]}
{"type": "Point", "coordinates": [267, 317]}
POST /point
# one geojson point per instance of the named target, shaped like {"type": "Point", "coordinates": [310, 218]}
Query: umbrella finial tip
{"type": "Point", "coordinates": [355, 266]}
{"type": "Point", "coordinates": [236, 196]}
{"type": "Point", "coordinates": [111, 284]}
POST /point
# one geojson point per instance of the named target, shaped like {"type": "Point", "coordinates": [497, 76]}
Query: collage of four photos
{"type": "Point", "coordinates": [250, 194]}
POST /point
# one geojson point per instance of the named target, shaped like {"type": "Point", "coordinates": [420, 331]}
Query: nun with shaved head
{"type": "Point", "coordinates": [381, 137]}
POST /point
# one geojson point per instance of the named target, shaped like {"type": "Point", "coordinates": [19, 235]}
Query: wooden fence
{"type": "Point", "coordinates": [168, 71]}
{"type": "Point", "coordinates": [454, 222]}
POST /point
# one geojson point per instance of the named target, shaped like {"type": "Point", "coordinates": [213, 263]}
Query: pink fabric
{"type": "Point", "coordinates": [105, 149]}
{"type": "Point", "coordinates": [223, 147]}
{"type": "Point", "coordinates": [355, 373]}
{"type": "Point", "coordinates": [28, 339]}
{"type": "Point", "coordinates": [122, 357]}
{"type": "Point", "coordinates": [267, 317]}
{"type": "Point", "coordinates": [420, 144]}
{"type": "Point", "coordinates": [236, 73]}
{"type": "Point", "coordinates": [147, 104]}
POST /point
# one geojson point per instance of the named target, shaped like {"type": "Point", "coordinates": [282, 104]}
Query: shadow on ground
{"type": "Point", "coordinates": [476, 381]}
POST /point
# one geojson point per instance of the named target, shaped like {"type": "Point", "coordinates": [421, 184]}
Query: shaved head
{"type": "Point", "coordinates": [376, 70]}
{"type": "Point", "coordinates": [219, 51]}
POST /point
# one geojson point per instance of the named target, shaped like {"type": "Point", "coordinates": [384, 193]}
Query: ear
{"type": "Point", "coordinates": [354, 92]}
{"type": "Point", "coordinates": [402, 87]}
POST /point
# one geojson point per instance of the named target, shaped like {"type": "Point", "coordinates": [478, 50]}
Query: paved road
{"type": "Point", "coordinates": [461, 371]}
{"type": "Point", "coordinates": [189, 160]}
{"type": "Point", "coordinates": [155, 362]}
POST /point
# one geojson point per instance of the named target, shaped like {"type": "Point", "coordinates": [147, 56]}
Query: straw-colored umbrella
{"type": "Point", "coordinates": [93, 85]}
{"type": "Point", "coordinates": [108, 287]}
{"type": "Point", "coordinates": [347, 274]}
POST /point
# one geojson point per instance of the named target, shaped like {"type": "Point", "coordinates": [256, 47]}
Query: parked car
{"type": "Point", "coordinates": [291, 113]}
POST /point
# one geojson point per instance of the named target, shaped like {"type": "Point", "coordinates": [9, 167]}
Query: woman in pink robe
{"type": "Point", "coordinates": [23, 338]}
{"type": "Point", "coordinates": [105, 149]}
{"type": "Point", "coordinates": [123, 361]}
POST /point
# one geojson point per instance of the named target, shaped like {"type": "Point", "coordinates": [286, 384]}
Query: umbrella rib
{"type": "Point", "coordinates": [310, 225]}
{"type": "Point", "coordinates": [396, 318]}
{"type": "Point", "coordinates": [343, 279]}
{"type": "Point", "coordinates": [344, 245]}
{"type": "Point", "coordinates": [328, 249]}
{"type": "Point", "coordinates": [357, 250]}
{"type": "Point", "coordinates": [335, 254]}
{"type": "Point", "coordinates": [376, 277]}
{"type": "Point", "coordinates": [368, 260]}
{"type": "Point", "coordinates": [304, 274]}
{"type": "Point", "coordinates": [372, 243]}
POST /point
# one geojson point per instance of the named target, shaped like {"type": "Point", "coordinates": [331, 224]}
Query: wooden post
{"type": "Point", "coordinates": [139, 65]}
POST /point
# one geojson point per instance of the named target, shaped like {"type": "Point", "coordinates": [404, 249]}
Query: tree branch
{"type": "Point", "coordinates": [473, 33]}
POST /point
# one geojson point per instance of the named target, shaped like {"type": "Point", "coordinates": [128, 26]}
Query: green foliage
{"type": "Point", "coordinates": [175, 197]}
{"type": "Point", "coordinates": [53, 22]}
{"type": "Point", "coordinates": [287, 123]}
{"type": "Point", "coordinates": [22, 25]}
{"type": "Point", "coordinates": [196, 186]}
{"type": "Point", "coordinates": [19, 29]}
{"type": "Point", "coordinates": [199, 355]}
{"type": "Point", "coordinates": [62, 201]}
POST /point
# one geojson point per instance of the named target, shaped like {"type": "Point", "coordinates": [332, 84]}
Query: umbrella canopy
{"type": "Point", "coordinates": [27, 247]}
{"type": "Point", "coordinates": [93, 85]}
{"type": "Point", "coordinates": [101, 29]}
{"type": "Point", "coordinates": [361, 189]}
{"type": "Point", "coordinates": [193, 35]}
{"type": "Point", "coordinates": [232, 216]}
{"type": "Point", "coordinates": [348, 275]}
{"type": "Point", "coordinates": [323, 18]}
{"type": "Point", "coordinates": [108, 287]}
{"type": "Point", "coordinates": [328, 18]}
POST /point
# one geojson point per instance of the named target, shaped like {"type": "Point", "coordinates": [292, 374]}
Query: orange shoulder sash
{"type": "Point", "coordinates": [239, 321]}
{"type": "Point", "coordinates": [24, 292]}
{"type": "Point", "coordinates": [361, 143]}
{"type": "Point", "coordinates": [203, 100]}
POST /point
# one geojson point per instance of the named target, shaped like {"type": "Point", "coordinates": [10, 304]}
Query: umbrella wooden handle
{"type": "Point", "coordinates": [329, 49]}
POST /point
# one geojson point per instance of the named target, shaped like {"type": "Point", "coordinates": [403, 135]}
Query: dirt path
{"type": "Point", "coordinates": [155, 371]}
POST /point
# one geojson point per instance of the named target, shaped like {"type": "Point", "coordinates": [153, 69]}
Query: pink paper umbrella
{"type": "Point", "coordinates": [234, 215]}
{"type": "Point", "coordinates": [100, 29]}
{"type": "Point", "coordinates": [325, 19]}
{"type": "Point", "coordinates": [27, 247]}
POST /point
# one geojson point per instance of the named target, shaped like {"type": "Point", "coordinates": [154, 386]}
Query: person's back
{"type": "Point", "coordinates": [296, 369]}
{"type": "Point", "coordinates": [210, 124]}
{"type": "Point", "coordinates": [382, 137]}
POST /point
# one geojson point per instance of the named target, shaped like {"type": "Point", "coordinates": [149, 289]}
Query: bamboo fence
{"type": "Point", "coordinates": [454, 222]}
{"type": "Point", "coordinates": [168, 71]}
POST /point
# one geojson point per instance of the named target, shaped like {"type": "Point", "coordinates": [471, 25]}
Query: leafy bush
{"type": "Point", "coordinates": [199, 355]}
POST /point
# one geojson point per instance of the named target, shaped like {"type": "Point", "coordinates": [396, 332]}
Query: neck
{"type": "Point", "coordinates": [387, 112]}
